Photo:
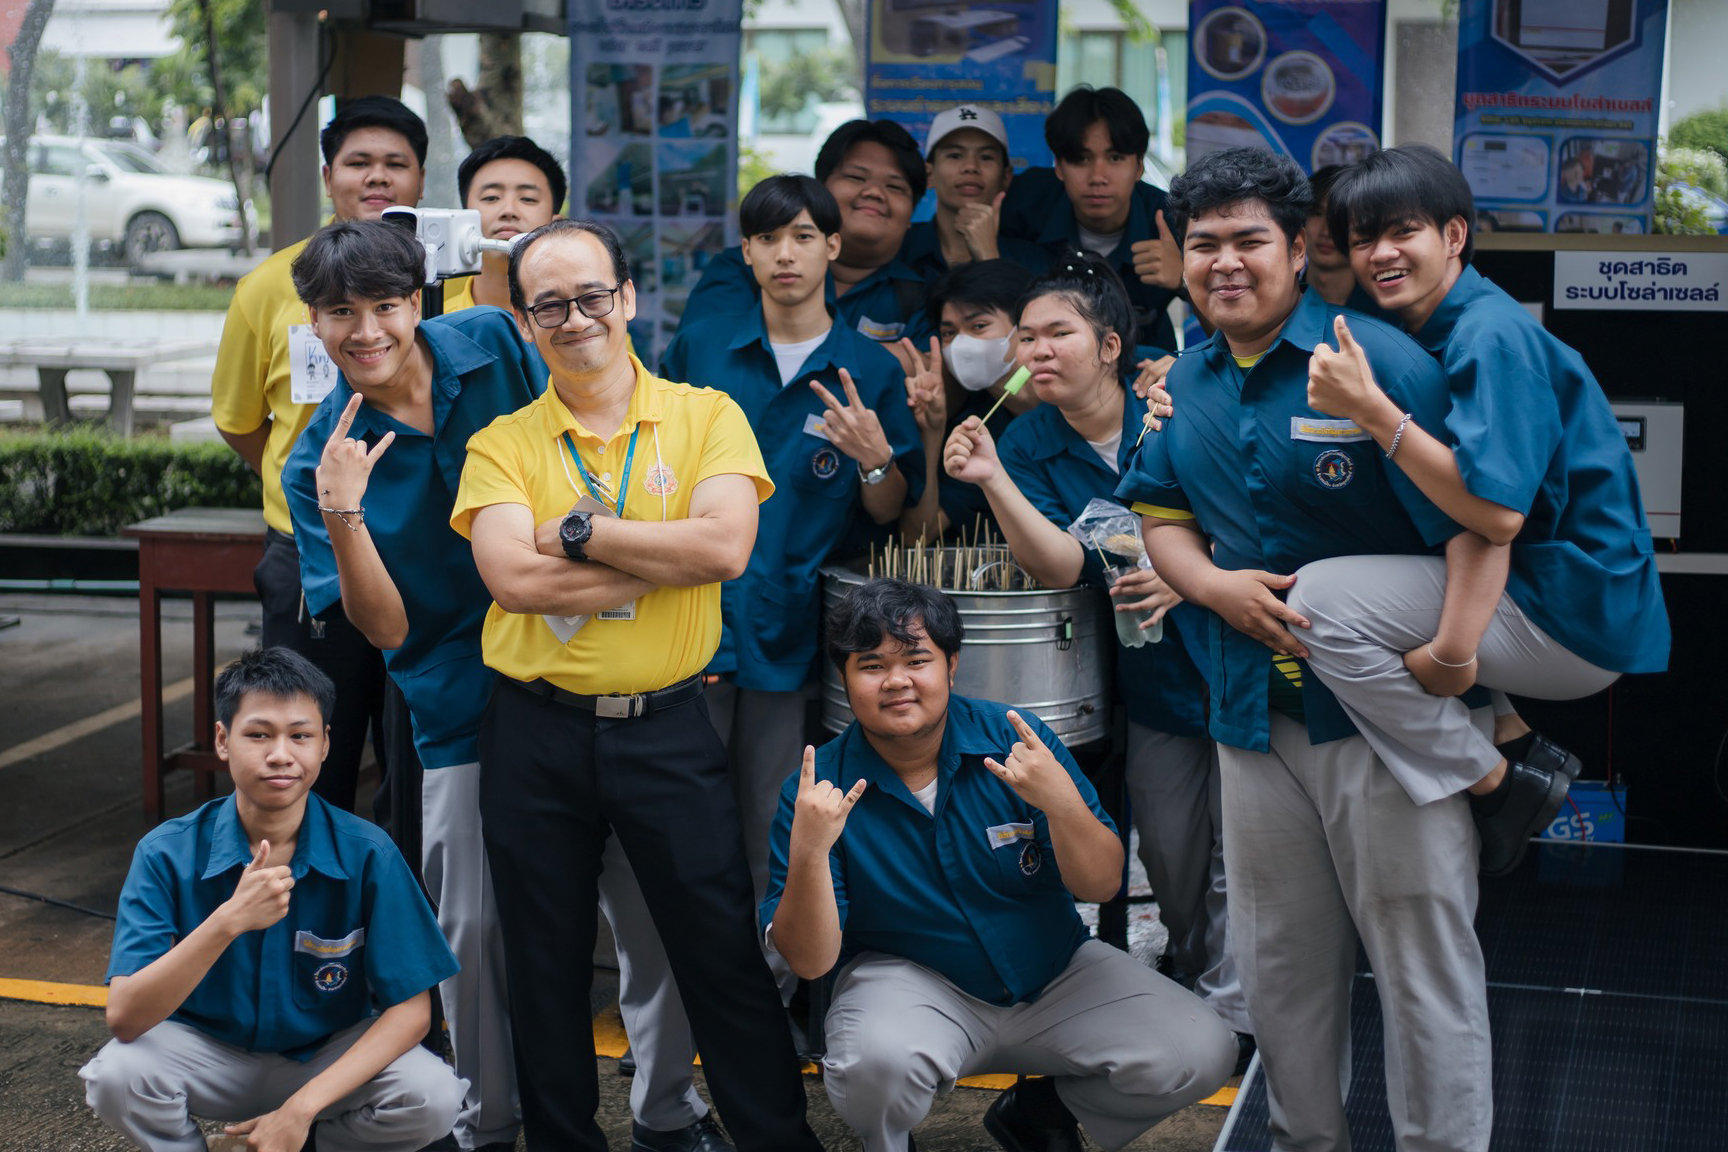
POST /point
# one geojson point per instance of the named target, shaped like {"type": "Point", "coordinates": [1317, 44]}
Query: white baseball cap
{"type": "Point", "coordinates": [964, 116]}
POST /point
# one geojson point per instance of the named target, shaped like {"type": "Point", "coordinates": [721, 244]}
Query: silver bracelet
{"type": "Point", "coordinates": [342, 514]}
{"type": "Point", "coordinates": [1398, 436]}
{"type": "Point", "coordinates": [1441, 662]}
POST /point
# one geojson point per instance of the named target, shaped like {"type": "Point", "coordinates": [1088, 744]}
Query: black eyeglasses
{"type": "Point", "coordinates": [553, 313]}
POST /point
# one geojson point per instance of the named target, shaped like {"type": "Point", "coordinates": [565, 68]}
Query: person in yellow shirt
{"type": "Point", "coordinates": [271, 372]}
{"type": "Point", "coordinates": [516, 186]}
{"type": "Point", "coordinates": [605, 614]}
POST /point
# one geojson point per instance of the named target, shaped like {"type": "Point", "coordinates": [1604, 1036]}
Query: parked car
{"type": "Point", "coordinates": [133, 205]}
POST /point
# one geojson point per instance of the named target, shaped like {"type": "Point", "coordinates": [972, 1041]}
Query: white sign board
{"type": "Point", "coordinates": [1641, 281]}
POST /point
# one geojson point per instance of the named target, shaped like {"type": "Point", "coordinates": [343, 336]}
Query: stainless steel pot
{"type": "Point", "coordinates": [1043, 651]}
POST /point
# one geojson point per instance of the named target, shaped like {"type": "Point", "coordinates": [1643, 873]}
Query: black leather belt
{"type": "Point", "coordinates": [616, 706]}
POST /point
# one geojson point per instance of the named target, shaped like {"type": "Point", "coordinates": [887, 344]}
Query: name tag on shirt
{"type": "Point", "coordinates": [318, 946]}
{"type": "Point", "coordinates": [622, 612]}
{"type": "Point", "coordinates": [813, 427]}
{"type": "Point", "coordinates": [1326, 431]}
{"type": "Point", "coordinates": [311, 372]}
{"type": "Point", "coordinates": [881, 331]}
{"type": "Point", "coordinates": [1006, 835]}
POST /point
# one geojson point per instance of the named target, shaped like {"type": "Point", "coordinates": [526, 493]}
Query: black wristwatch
{"type": "Point", "coordinates": [574, 534]}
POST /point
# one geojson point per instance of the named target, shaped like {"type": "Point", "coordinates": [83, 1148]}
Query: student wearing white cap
{"type": "Point", "coordinates": [967, 154]}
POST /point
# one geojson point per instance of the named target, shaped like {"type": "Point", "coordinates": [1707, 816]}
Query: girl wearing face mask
{"type": "Point", "coordinates": [1072, 330]}
{"type": "Point", "coordinates": [971, 306]}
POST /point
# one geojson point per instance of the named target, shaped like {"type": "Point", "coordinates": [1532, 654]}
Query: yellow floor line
{"type": "Point", "coordinates": [609, 1038]}
{"type": "Point", "coordinates": [47, 992]}
{"type": "Point", "coordinates": [78, 729]}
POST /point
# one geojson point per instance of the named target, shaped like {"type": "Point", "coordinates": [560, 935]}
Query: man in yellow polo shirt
{"type": "Point", "coordinates": [271, 372]}
{"type": "Point", "coordinates": [605, 614]}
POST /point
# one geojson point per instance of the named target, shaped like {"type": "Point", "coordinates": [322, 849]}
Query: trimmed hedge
{"type": "Point", "coordinates": [88, 482]}
{"type": "Point", "coordinates": [121, 297]}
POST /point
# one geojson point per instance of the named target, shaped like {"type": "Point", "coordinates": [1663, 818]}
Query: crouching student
{"type": "Point", "coordinates": [934, 851]}
{"type": "Point", "coordinates": [273, 954]}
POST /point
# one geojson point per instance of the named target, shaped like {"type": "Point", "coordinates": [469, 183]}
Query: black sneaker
{"type": "Point", "coordinates": [1538, 751]}
{"type": "Point", "coordinates": [702, 1136]}
{"type": "Point", "coordinates": [1524, 804]}
{"type": "Point", "coordinates": [1020, 1126]}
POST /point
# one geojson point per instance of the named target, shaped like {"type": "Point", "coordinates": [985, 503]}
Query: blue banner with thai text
{"type": "Point", "coordinates": [926, 56]}
{"type": "Point", "coordinates": [1556, 112]}
{"type": "Point", "coordinates": [1301, 77]}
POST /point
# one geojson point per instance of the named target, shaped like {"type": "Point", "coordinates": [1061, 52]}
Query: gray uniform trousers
{"type": "Point", "coordinates": [1127, 1046]}
{"type": "Point", "coordinates": [476, 1002]}
{"type": "Point", "coordinates": [150, 1089]}
{"type": "Point", "coordinates": [764, 737]}
{"type": "Point", "coordinates": [1173, 791]}
{"type": "Point", "coordinates": [1323, 845]}
{"type": "Point", "coordinates": [1367, 611]}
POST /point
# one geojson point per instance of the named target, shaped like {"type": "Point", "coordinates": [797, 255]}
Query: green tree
{"type": "Point", "coordinates": [22, 58]}
{"type": "Point", "coordinates": [242, 52]}
{"type": "Point", "coordinates": [1677, 211]}
{"type": "Point", "coordinates": [108, 91]}
{"type": "Point", "coordinates": [1706, 129]}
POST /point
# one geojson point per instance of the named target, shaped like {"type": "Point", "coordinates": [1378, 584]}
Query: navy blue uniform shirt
{"type": "Point", "coordinates": [921, 251]}
{"type": "Point", "coordinates": [1276, 485]}
{"type": "Point", "coordinates": [1059, 473]}
{"type": "Point", "coordinates": [972, 890]}
{"type": "Point", "coordinates": [1038, 209]}
{"type": "Point", "coordinates": [1534, 432]}
{"type": "Point", "coordinates": [884, 306]}
{"type": "Point", "coordinates": [359, 936]}
{"type": "Point", "coordinates": [481, 369]}
{"type": "Point", "coordinates": [771, 613]}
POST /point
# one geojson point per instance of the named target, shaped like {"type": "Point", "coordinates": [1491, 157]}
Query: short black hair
{"type": "Point", "coordinates": [364, 259]}
{"type": "Point", "coordinates": [1320, 186]}
{"type": "Point", "coordinates": [1065, 127]}
{"type": "Point", "coordinates": [776, 202]}
{"type": "Point", "coordinates": [1235, 176]}
{"type": "Point", "coordinates": [889, 607]}
{"type": "Point", "coordinates": [373, 112]}
{"type": "Point", "coordinates": [1409, 182]}
{"type": "Point", "coordinates": [887, 133]}
{"type": "Point", "coordinates": [995, 284]}
{"type": "Point", "coordinates": [512, 148]}
{"type": "Point", "coordinates": [1095, 290]}
{"type": "Point", "coordinates": [608, 240]}
{"type": "Point", "coordinates": [280, 674]}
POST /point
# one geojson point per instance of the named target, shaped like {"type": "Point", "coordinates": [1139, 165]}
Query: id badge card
{"type": "Point", "coordinates": [311, 372]}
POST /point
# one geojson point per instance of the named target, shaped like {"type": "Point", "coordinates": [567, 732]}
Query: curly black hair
{"type": "Point", "coordinates": [1233, 176]}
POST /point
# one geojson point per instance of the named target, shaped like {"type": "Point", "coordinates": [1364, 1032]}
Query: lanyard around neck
{"type": "Point", "coordinates": [629, 462]}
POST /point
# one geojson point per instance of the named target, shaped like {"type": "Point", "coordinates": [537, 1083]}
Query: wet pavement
{"type": "Point", "coordinates": [71, 811]}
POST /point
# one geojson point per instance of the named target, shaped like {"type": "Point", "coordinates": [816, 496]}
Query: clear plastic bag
{"type": "Point", "coordinates": [1112, 533]}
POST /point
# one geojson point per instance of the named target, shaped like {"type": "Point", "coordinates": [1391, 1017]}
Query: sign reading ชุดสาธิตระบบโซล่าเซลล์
{"type": "Point", "coordinates": [1641, 281]}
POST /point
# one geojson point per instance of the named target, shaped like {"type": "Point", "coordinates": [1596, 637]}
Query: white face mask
{"type": "Point", "coordinates": [977, 363]}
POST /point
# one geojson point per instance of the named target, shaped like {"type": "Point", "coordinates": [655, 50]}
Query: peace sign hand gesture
{"type": "Point", "coordinates": [346, 465]}
{"type": "Point", "coordinates": [1342, 383]}
{"type": "Point", "coordinates": [852, 427]}
{"type": "Point", "coordinates": [1032, 770]}
{"type": "Point", "coordinates": [819, 815]}
{"type": "Point", "coordinates": [926, 394]}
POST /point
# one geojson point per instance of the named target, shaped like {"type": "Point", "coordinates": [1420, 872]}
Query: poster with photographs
{"type": "Point", "coordinates": [1302, 77]}
{"type": "Point", "coordinates": [654, 151]}
{"type": "Point", "coordinates": [1556, 113]}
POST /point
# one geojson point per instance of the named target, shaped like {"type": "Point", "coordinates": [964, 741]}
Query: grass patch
{"type": "Point", "coordinates": [121, 297]}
